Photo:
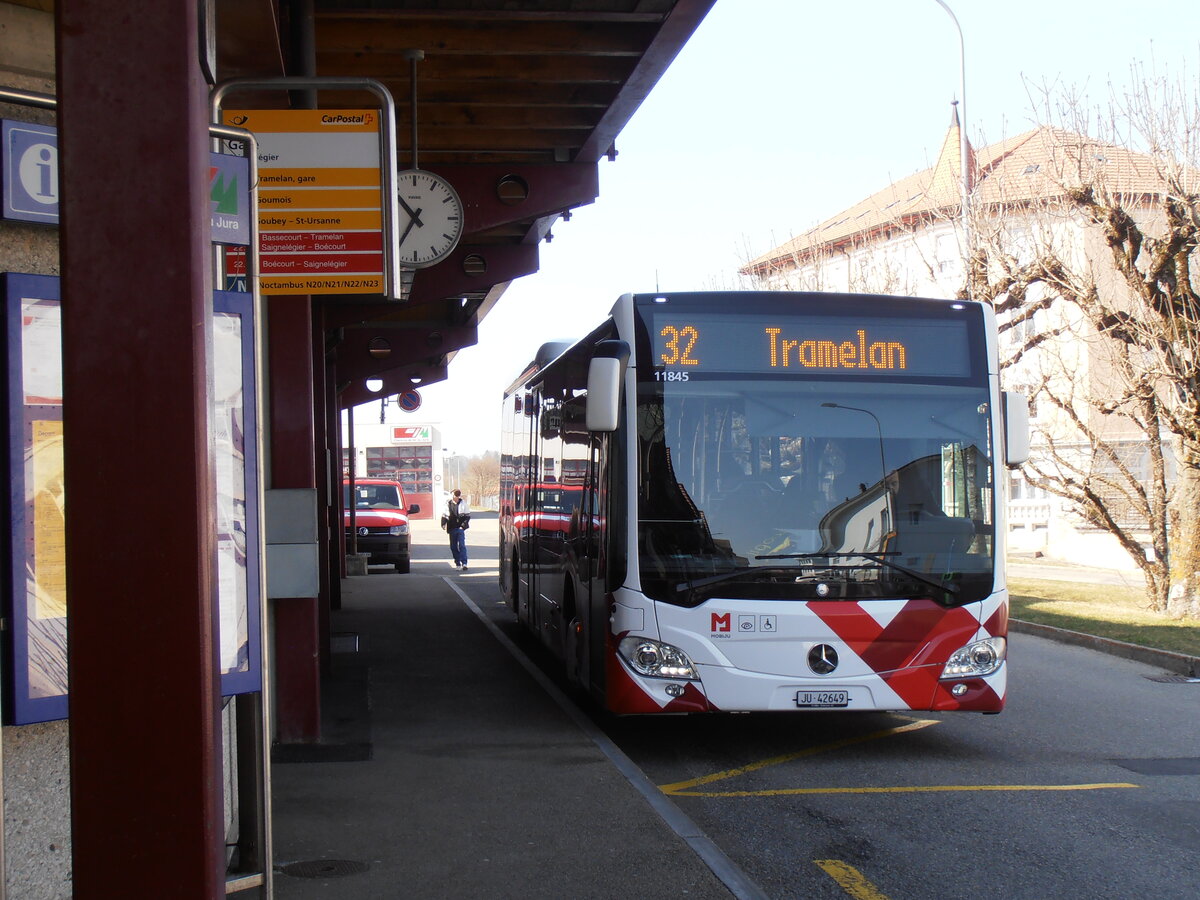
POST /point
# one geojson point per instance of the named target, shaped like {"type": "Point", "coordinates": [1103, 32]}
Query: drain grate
{"type": "Point", "coordinates": [1174, 679]}
{"type": "Point", "coordinates": [324, 868]}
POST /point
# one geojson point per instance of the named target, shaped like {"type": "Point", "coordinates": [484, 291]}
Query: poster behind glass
{"type": "Point", "coordinates": [36, 601]}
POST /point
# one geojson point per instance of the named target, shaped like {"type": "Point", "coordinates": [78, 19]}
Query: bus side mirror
{"type": "Point", "coordinates": [605, 372]}
{"type": "Point", "coordinates": [1015, 410]}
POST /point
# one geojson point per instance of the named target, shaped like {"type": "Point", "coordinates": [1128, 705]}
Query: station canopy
{"type": "Point", "coordinates": [517, 101]}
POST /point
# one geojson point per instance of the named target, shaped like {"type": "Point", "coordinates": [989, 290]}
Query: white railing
{"type": "Point", "coordinates": [1029, 512]}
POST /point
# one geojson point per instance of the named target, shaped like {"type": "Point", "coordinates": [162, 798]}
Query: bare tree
{"type": "Point", "coordinates": [1126, 295]}
{"type": "Point", "coordinates": [482, 479]}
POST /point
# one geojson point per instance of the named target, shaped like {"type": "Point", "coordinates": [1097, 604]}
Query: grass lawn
{"type": "Point", "coordinates": [1108, 611]}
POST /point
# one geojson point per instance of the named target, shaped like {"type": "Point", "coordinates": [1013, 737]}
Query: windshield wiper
{"type": "Point", "coordinates": [726, 576]}
{"type": "Point", "coordinates": [951, 589]}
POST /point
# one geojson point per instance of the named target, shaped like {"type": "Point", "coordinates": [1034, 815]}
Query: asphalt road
{"type": "Point", "coordinates": [1087, 786]}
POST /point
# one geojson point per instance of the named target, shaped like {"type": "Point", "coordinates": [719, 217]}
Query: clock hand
{"type": "Point", "coordinates": [415, 214]}
{"type": "Point", "coordinates": [408, 228]}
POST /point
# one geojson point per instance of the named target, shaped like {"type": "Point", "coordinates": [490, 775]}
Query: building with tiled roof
{"type": "Point", "coordinates": [1011, 174]}
{"type": "Point", "coordinates": [925, 197]}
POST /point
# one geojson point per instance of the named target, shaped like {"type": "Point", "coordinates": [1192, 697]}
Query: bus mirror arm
{"type": "Point", "coordinates": [1015, 411]}
{"type": "Point", "coordinates": [605, 373]}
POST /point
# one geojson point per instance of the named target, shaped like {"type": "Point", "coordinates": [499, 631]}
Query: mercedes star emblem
{"type": "Point", "coordinates": [822, 659]}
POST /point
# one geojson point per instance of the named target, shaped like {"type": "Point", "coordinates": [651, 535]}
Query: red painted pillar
{"type": "Point", "coordinates": [140, 526]}
{"type": "Point", "coordinates": [297, 619]}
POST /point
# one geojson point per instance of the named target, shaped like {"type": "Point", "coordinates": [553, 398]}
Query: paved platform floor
{"type": "Point", "coordinates": [447, 772]}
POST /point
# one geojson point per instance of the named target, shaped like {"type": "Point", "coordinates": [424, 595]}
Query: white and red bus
{"type": "Point", "coordinates": [766, 501]}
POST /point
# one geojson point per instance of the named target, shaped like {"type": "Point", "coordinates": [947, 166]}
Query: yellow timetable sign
{"type": "Point", "coordinates": [318, 173]}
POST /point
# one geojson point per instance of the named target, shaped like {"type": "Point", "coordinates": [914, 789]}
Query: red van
{"type": "Point", "coordinates": [380, 520]}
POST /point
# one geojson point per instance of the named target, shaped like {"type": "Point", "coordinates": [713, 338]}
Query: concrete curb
{"type": "Point", "coordinates": [1179, 663]}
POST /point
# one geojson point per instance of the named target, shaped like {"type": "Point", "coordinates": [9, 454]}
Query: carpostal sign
{"type": "Point", "coordinates": [320, 203]}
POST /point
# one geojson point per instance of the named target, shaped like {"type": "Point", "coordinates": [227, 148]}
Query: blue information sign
{"type": "Point", "coordinates": [30, 172]}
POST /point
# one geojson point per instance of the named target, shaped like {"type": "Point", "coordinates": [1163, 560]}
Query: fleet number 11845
{"type": "Point", "coordinates": [669, 375]}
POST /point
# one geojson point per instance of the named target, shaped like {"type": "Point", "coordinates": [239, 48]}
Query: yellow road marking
{"type": "Point", "coordinates": [908, 789]}
{"type": "Point", "coordinates": [684, 788]}
{"type": "Point", "coordinates": [850, 879]}
{"type": "Point", "coordinates": [681, 786]}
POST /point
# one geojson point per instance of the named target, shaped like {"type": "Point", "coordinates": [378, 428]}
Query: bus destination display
{"type": "Point", "coordinates": [807, 345]}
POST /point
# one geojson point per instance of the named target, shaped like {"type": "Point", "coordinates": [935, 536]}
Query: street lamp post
{"type": "Point", "coordinates": [453, 469]}
{"type": "Point", "coordinates": [964, 160]}
{"type": "Point", "coordinates": [878, 431]}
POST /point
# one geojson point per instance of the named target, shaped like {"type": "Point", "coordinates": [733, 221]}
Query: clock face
{"type": "Point", "coordinates": [431, 218]}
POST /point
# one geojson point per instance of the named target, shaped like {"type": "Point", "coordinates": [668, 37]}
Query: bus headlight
{"type": "Point", "coordinates": [976, 659]}
{"type": "Point", "coordinates": [397, 530]}
{"type": "Point", "coordinates": [656, 659]}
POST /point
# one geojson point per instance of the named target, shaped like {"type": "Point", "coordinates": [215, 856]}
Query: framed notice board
{"type": "Point", "coordinates": [35, 596]}
{"type": "Point", "coordinates": [235, 438]}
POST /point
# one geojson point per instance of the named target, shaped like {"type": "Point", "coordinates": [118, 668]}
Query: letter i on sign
{"type": "Point", "coordinates": [45, 189]}
{"type": "Point", "coordinates": [38, 173]}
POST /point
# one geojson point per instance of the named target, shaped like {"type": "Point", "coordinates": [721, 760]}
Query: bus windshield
{"type": "Point", "coordinates": [814, 488]}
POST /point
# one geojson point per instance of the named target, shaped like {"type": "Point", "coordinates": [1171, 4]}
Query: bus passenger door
{"type": "Point", "coordinates": [528, 516]}
{"type": "Point", "coordinates": [594, 603]}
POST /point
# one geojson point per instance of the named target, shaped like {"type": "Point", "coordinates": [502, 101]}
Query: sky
{"type": "Point", "coordinates": [776, 115]}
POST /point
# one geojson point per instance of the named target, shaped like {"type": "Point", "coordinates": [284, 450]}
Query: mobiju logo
{"type": "Point", "coordinates": [224, 191]}
{"type": "Point", "coordinates": [721, 622]}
